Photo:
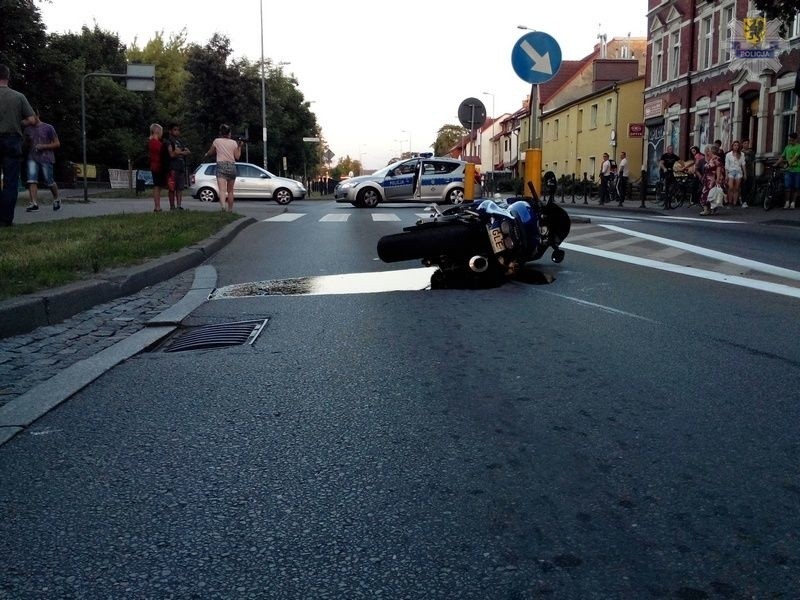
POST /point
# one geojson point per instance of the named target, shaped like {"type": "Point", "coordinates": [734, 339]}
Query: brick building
{"type": "Point", "coordinates": [698, 90]}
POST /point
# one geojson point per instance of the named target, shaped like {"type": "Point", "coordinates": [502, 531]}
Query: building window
{"type": "Point", "coordinates": [674, 135]}
{"type": "Point", "coordinates": [706, 42]}
{"type": "Point", "coordinates": [655, 66]}
{"type": "Point", "coordinates": [555, 129]}
{"type": "Point", "coordinates": [726, 16]}
{"type": "Point", "coordinates": [788, 115]}
{"type": "Point", "coordinates": [609, 112]}
{"type": "Point", "coordinates": [794, 30]}
{"type": "Point", "coordinates": [593, 117]}
{"type": "Point", "coordinates": [547, 130]}
{"type": "Point", "coordinates": [723, 133]}
{"type": "Point", "coordinates": [580, 120]}
{"type": "Point", "coordinates": [592, 167]}
{"type": "Point", "coordinates": [675, 56]}
{"type": "Point", "coordinates": [702, 132]}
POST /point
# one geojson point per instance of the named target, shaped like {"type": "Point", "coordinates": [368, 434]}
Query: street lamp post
{"type": "Point", "coordinates": [409, 140]}
{"type": "Point", "coordinates": [263, 89]}
{"type": "Point", "coordinates": [493, 119]}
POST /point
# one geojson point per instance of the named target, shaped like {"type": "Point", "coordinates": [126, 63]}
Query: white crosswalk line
{"type": "Point", "coordinates": [385, 217]}
{"type": "Point", "coordinates": [335, 218]}
{"type": "Point", "coordinates": [285, 217]}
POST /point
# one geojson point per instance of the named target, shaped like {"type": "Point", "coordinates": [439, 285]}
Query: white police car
{"type": "Point", "coordinates": [423, 178]}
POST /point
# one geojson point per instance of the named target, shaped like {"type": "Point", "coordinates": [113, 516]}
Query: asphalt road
{"type": "Point", "coordinates": [622, 432]}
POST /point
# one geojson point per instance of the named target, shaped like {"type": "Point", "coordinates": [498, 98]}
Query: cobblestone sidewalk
{"type": "Point", "coordinates": [29, 359]}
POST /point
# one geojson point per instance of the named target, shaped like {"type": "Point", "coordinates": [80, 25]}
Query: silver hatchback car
{"type": "Point", "coordinates": [418, 179]}
{"type": "Point", "coordinates": [251, 182]}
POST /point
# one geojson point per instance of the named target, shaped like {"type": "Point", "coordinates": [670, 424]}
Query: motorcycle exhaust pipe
{"type": "Point", "coordinates": [478, 264]}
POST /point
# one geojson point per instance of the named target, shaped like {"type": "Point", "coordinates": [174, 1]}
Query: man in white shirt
{"type": "Point", "coordinates": [605, 174]}
{"type": "Point", "coordinates": [622, 177]}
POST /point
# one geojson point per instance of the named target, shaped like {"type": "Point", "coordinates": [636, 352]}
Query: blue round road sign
{"type": "Point", "coordinates": [536, 57]}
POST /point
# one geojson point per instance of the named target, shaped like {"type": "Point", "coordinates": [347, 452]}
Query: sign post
{"type": "Point", "coordinates": [536, 58]}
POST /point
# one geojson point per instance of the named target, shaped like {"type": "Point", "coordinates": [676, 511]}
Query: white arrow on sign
{"type": "Point", "coordinates": [541, 63]}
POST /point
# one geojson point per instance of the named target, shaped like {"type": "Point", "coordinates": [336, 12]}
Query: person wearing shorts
{"type": "Point", "coordinates": [227, 152]}
{"type": "Point", "coordinates": [790, 157]}
{"type": "Point", "coordinates": [42, 141]}
{"type": "Point", "coordinates": [734, 172]}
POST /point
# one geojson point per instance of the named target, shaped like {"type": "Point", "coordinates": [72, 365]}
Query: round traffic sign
{"type": "Point", "coordinates": [472, 113]}
{"type": "Point", "coordinates": [536, 57]}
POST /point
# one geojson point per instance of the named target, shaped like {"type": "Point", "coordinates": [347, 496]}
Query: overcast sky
{"type": "Point", "coordinates": [381, 76]}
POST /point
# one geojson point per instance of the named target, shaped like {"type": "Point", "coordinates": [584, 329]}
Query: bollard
{"type": "Point", "coordinates": [533, 170]}
{"type": "Point", "coordinates": [585, 188]}
{"type": "Point", "coordinates": [643, 188]}
{"type": "Point", "coordinates": [573, 188]}
{"type": "Point", "coordinates": [469, 182]}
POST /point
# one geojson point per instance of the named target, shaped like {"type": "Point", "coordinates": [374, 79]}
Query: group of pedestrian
{"type": "Point", "coordinates": [167, 153]}
{"type": "Point", "coordinates": [23, 135]}
{"type": "Point", "coordinates": [614, 177]}
{"type": "Point", "coordinates": [728, 178]}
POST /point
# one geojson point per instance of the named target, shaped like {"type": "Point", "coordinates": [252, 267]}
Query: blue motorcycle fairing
{"type": "Point", "coordinates": [528, 219]}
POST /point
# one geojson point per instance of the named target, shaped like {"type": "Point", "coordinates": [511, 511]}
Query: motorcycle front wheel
{"type": "Point", "coordinates": [452, 240]}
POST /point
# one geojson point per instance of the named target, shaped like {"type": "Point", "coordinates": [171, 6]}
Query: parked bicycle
{"type": "Point", "coordinates": [674, 192]}
{"type": "Point", "coordinates": [771, 193]}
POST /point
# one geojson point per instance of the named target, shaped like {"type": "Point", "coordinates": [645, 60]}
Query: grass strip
{"type": "Point", "coordinates": [38, 256]}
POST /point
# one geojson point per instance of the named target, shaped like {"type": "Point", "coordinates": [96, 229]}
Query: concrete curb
{"type": "Point", "coordinates": [20, 412]}
{"type": "Point", "coordinates": [48, 307]}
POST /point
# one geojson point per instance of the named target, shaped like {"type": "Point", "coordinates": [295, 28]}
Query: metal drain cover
{"type": "Point", "coordinates": [218, 336]}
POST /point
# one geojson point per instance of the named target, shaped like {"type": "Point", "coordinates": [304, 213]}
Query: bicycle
{"type": "Point", "coordinates": [673, 193]}
{"type": "Point", "coordinates": [771, 193]}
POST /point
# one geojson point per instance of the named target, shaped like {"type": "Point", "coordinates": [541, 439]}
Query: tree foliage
{"type": "Point", "coordinates": [197, 86]}
{"type": "Point", "coordinates": [447, 137]}
{"type": "Point", "coordinates": [783, 10]}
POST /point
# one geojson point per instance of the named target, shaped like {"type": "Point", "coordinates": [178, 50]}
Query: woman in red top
{"type": "Point", "coordinates": [157, 166]}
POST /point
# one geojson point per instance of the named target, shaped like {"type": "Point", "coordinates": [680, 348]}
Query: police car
{"type": "Point", "coordinates": [423, 178]}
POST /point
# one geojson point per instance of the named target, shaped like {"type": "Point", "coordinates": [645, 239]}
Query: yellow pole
{"type": "Point", "coordinates": [469, 182]}
{"type": "Point", "coordinates": [533, 170]}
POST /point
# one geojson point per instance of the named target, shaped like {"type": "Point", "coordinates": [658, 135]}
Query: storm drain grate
{"type": "Point", "coordinates": [218, 336]}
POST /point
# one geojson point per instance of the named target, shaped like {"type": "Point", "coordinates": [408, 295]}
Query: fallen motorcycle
{"type": "Point", "coordinates": [481, 244]}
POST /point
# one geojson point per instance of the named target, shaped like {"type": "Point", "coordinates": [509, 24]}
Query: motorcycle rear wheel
{"type": "Point", "coordinates": [453, 240]}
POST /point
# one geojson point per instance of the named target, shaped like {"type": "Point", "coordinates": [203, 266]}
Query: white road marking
{"type": "Point", "coordinates": [385, 217]}
{"type": "Point", "coordinates": [731, 258]}
{"type": "Point", "coordinates": [337, 218]}
{"type": "Point", "coordinates": [602, 306]}
{"type": "Point", "coordinates": [774, 288]}
{"type": "Point", "coordinates": [285, 217]}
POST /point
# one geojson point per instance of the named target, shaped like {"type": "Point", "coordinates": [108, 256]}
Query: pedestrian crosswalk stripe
{"type": "Point", "coordinates": [285, 217]}
{"type": "Point", "coordinates": [385, 217]}
{"type": "Point", "coordinates": [339, 218]}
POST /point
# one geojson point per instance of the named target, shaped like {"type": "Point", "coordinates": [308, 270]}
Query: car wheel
{"type": "Point", "coordinates": [207, 194]}
{"type": "Point", "coordinates": [282, 196]}
{"type": "Point", "coordinates": [368, 198]}
{"type": "Point", "coordinates": [455, 196]}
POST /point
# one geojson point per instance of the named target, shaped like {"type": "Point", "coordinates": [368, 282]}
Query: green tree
{"type": "Point", "coordinates": [116, 128]}
{"type": "Point", "coordinates": [22, 39]}
{"type": "Point", "coordinates": [169, 102]}
{"type": "Point", "coordinates": [783, 10]}
{"type": "Point", "coordinates": [447, 137]}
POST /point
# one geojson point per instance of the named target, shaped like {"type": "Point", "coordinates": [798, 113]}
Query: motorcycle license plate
{"type": "Point", "coordinates": [496, 239]}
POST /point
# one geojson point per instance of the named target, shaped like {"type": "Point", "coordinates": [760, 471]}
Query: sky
{"type": "Point", "coordinates": [382, 78]}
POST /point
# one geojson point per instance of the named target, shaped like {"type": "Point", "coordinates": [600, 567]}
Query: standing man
{"type": "Point", "coordinates": [623, 171]}
{"type": "Point", "coordinates": [177, 164]}
{"type": "Point", "coordinates": [665, 166]}
{"type": "Point", "coordinates": [43, 140]}
{"type": "Point", "coordinates": [605, 174]}
{"type": "Point", "coordinates": [791, 177]}
{"type": "Point", "coordinates": [15, 113]}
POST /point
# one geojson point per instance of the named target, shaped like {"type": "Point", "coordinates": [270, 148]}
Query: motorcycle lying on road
{"type": "Point", "coordinates": [481, 244]}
